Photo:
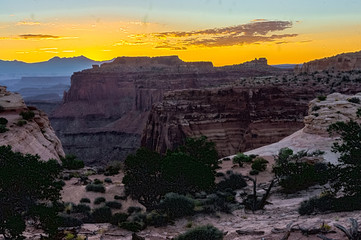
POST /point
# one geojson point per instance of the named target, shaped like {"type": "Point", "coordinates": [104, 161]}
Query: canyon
{"type": "Point", "coordinates": [104, 112]}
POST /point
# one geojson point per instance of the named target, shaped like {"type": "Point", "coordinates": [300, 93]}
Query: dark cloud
{"type": "Point", "coordinates": [255, 32]}
{"type": "Point", "coordinates": [248, 29]}
{"type": "Point", "coordinates": [38, 36]}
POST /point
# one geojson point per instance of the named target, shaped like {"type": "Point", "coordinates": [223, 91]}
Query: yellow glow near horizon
{"type": "Point", "coordinates": [33, 41]}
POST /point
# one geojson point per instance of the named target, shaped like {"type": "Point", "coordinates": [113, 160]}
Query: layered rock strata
{"type": "Point", "coordinates": [106, 109]}
{"type": "Point", "coordinates": [36, 136]}
{"type": "Point", "coordinates": [341, 62]}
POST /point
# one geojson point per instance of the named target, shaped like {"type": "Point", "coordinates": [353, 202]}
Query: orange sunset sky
{"type": "Point", "coordinates": [222, 31]}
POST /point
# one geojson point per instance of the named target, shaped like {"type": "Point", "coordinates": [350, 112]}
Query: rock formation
{"type": "Point", "coordinates": [34, 137]}
{"type": "Point", "coordinates": [341, 62]}
{"type": "Point", "coordinates": [104, 112]}
{"type": "Point", "coordinates": [241, 117]}
{"type": "Point", "coordinates": [314, 136]}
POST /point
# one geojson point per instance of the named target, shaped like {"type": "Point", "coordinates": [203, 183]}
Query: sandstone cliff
{"type": "Point", "coordinates": [249, 114]}
{"type": "Point", "coordinates": [34, 137]}
{"type": "Point", "coordinates": [106, 108]}
{"type": "Point", "coordinates": [314, 136]}
{"type": "Point", "coordinates": [341, 62]}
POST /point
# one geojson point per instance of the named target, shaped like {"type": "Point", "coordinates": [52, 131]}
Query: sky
{"type": "Point", "coordinates": [222, 31]}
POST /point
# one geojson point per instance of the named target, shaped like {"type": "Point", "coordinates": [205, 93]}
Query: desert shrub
{"type": "Point", "coordinates": [315, 108]}
{"type": "Point", "coordinates": [3, 129]}
{"type": "Point", "coordinates": [27, 115]}
{"type": "Point", "coordinates": [132, 226]}
{"type": "Point", "coordinates": [157, 219]}
{"type": "Point", "coordinates": [101, 215]}
{"type": "Point", "coordinates": [114, 205]}
{"type": "Point", "coordinates": [321, 98]}
{"type": "Point", "coordinates": [117, 197]}
{"type": "Point", "coordinates": [175, 205]}
{"type": "Point", "coordinates": [133, 209]}
{"type": "Point", "coordinates": [69, 221]}
{"type": "Point", "coordinates": [99, 200]}
{"type": "Point", "coordinates": [85, 200]}
{"type": "Point", "coordinates": [95, 188]}
{"type": "Point", "coordinates": [201, 233]}
{"type": "Point", "coordinates": [71, 162]}
{"type": "Point", "coordinates": [253, 172]}
{"type": "Point", "coordinates": [97, 181]}
{"type": "Point", "coordinates": [81, 208]}
{"type": "Point", "coordinates": [119, 218]}
{"type": "Point", "coordinates": [259, 164]}
{"type": "Point", "coordinates": [113, 168]}
{"type": "Point", "coordinates": [2, 109]}
{"type": "Point", "coordinates": [233, 181]}
{"type": "Point", "coordinates": [21, 123]}
{"type": "Point", "coordinates": [220, 174]}
{"type": "Point", "coordinates": [108, 180]}
{"type": "Point", "coordinates": [295, 175]}
{"type": "Point", "coordinates": [241, 158]}
{"type": "Point", "coordinates": [3, 121]}
{"type": "Point", "coordinates": [354, 100]}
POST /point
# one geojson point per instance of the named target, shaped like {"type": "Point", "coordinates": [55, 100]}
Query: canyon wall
{"type": "Point", "coordinates": [341, 62]}
{"type": "Point", "coordinates": [247, 115]}
{"type": "Point", "coordinates": [35, 137]}
{"type": "Point", "coordinates": [103, 114]}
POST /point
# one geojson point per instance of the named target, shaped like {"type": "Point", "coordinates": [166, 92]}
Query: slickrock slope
{"type": "Point", "coordinates": [105, 110]}
{"type": "Point", "coordinates": [35, 137]}
{"type": "Point", "coordinates": [314, 135]}
{"type": "Point", "coordinates": [341, 62]}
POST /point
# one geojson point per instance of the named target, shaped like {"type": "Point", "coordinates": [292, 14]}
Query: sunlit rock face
{"type": "Point", "coordinates": [341, 62]}
{"type": "Point", "coordinates": [35, 137]}
{"type": "Point", "coordinates": [106, 108]}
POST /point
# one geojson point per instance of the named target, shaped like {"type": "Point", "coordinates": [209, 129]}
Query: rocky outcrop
{"type": "Point", "coordinates": [341, 62]}
{"type": "Point", "coordinates": [34, 137]}
{"type": "Point", "coordinates": [112, 101]}
{"type": "Point", "coordinates": [314, 136]}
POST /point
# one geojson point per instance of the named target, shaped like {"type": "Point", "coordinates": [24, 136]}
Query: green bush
{"type": "Point", "coordinates": [85, 200]}
{"type": "Point", "coordinates": [27, 115]}
{"type": "Point", "coordinates": [253, 172]}
{"type": "Point", "coordinates": [108, 180]}
{"type": "Point", "coordinates": [132, 226]}
{"type": "Point", "coordinates": [233, 181]}
{"type": "Point", "coordinates": [117, 197]}
{"type": "Point", "coordinates": [21, 123]}
{"type": "Point", "coordinates": [175, 205]}
{"type": "Point", "coordinates": [101, 215]}
{"type": "Point", "coordinates": [97, 181]}
{"type": "Point", "coordinates": [99, 200]}
{"type": "Point", "coordinates": [157, 219]}
{"type": "Point", "coordinates": [3, 129]}
{"type": "Point", "coordinates": [69, 221]}
{"type": "Point", "coordinates": [71, 162]}
{"type": "Point", "coordinates": [201, 233]}
{"type": "Point", "coordinates": [95, 188]}
{"type": "Point", "coordinates": [241, 158]}
{"type": "Point", "coordinates": [81, 208]}
{"type": "Point", "coordinates": [354, 100]}
{"type": "Point", "coordinates": [3, 121]}
{"type": "Point", "coordinates": [113, 168]}
{"type": "Point", "coordinates": [114, 205]}
{"type": "Point", "coordinates": [119, 218]}
{"type": "Point", "coordinates": [321, 98]}
{"type": "Point", "coordinates": [133, 209]}
{"type": "Point", "coordinates": [259, 164]}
